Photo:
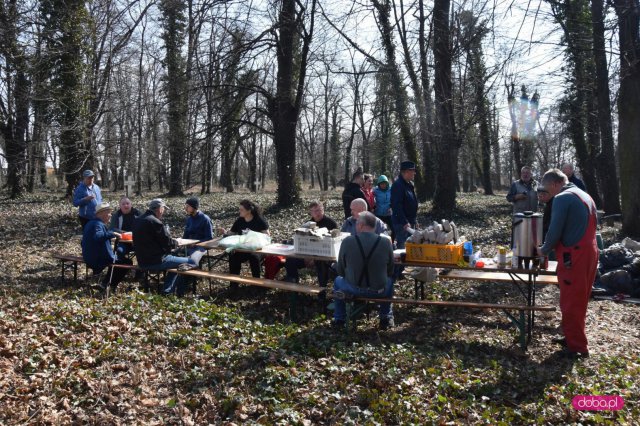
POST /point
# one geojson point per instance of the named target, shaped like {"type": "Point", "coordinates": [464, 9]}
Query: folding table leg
{"type": "Point", "coordinates": [521, 324]}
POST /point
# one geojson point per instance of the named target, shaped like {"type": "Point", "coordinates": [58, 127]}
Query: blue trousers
{"type": "Point", "coordinates": [172, 282]}
{"type": "Point", "coordinates": [340, 310]}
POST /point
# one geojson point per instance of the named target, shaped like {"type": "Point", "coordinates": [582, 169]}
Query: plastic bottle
{"type": "Point", "coordinates": [468, 251]}
{"type": "Point", "coordinates": [502, 256]}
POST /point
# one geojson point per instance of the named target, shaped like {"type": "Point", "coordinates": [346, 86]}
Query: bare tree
{"type": "Point", "coordinates": [284, 107]}
{"type": "Point", "coordinates": [448, 142]}
{"type": "Point", "coordinates": [14, 103]}
{"type": "Point", "coordinates": [628, 113]}
{"type": "Point", "coordinates": [606, 163]}
{"type": "Point", "coordinates": [383, 9]}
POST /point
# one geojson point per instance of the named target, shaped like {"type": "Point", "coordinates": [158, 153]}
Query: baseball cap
{"type": "Point", "coordinates": [407, 165]}
{"type": "Point", "coordinates": [156, 203]}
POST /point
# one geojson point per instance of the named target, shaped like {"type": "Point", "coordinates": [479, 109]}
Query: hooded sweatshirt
{"type": "Point", "coordinates": [383, 197]}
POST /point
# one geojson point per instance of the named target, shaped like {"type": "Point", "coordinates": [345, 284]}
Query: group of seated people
{"type": "Point", "coordinates": [364, 266]}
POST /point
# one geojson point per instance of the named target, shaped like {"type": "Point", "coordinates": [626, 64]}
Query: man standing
{"type": "Point", "coordinates": [292, 264]}
{"type": "Point", "coordinates": [153, 244]}
{"type": "Point", "coordinates": [572, 232]}
{"type": "Point", "coordinates": [352, 191]}
{"type": "Point", "coordinates": [87, 197]}
{"type": "Point", "coordinates": [350, 225]}
{"type": "Point", "coordinates": [567, 169]}
{"type": "Point", "coordinates": [97, 251]}
{"type": "Point", "coordinates": [365, 267]}
{"type": "Point", "coordinates": [404, 203]}
{"type": "Point", "coordinates": [523, 193]}
{"type": "Point", "coordinates": [198, 227]}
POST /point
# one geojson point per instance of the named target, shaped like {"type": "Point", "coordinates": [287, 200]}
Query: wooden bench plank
{"type": "Point", "coordinates": [69, 262]}
{"type": "Point", "coordinates": [68, 257]}
{"type": "Point", "coordinates": [260, 282]}
{"type": "Point", "coordinates": [478, 275]}
{"type": "Point", "coordinates": [454, 304]}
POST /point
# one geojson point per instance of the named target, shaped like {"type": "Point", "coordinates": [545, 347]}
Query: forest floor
{"type": "Point", "coordinates": [70, 356]}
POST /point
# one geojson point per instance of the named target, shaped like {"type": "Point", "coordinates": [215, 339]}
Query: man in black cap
{"type": "Point", "coordinates": [153, 244]}
{"type": "Point", "coordinates": [87, 197]}
{"type": "Point", "coordinates": [404, 203]}
{"type": "Point", "coordinates": [198, 227]}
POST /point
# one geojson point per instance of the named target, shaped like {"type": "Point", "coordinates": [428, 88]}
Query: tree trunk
{"type": "Point", "coordinates": [399, 92]}
{"type": "Point", "coordinates": [285, 107]}
{"type": "Point", "coordinates": [628, 113]}
{"type": "Point", "coordinates": [605, 164]}
{"type": "Point", "coordinates": [447, 142]}
{"type": "Point", "coordinates": [176, 90]}
{"type": "Point", "coordinates": [428, 152]}
{"type": "Point", "coordinates": [515, 140]}
{"type": "Point", "coordinates": [418, 92]}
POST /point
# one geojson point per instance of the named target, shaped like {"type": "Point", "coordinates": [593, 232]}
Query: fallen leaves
{"type": "Point", "coordinates": [68, 357]}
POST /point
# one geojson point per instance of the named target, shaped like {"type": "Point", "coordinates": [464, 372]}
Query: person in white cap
{"type": "Point", "coordinates": [153, 245]}
{"type": "Point", "coordinates": [87, 197]}
{"type": "Point", "coordinates": [97, 250]}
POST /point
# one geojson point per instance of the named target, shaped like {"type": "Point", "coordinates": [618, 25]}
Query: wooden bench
{"type": "Point", "coordinates": [356, 311]}
{"type": "Point", "coordinates": [357, 306]}
{"type": "Point", "coordinates": [292, 288]}
{"type": "Point", "coordinates": [258, 282]}
{"type": "Point", "coordinates": [69, 262]}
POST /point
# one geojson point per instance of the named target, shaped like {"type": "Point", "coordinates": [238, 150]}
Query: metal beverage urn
{"type": "Point", "coordinates": [527, 236]}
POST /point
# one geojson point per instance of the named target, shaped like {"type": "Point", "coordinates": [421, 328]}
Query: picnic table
{"type": "Point", "coordinates": [525, 280]}
{"type": "Point", "coordinates": [182, 243]}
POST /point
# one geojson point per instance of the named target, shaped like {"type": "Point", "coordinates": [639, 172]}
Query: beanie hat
{"type": "Point", "coordinates": [193, 202]}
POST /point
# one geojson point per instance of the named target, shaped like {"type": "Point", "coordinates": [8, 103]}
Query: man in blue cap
{"type": "Point", "coordinates": [404, 203]}
{"type": "Point", "coordinates": [87, 197]}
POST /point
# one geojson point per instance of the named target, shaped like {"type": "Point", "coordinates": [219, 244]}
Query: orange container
{"type": "Point", "coordinates": [127, 236]}
{"type": "Point", "coordinates": [449, 254]}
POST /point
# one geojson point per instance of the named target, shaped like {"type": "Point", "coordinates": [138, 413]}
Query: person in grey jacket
{"type": "Point", "coordinates": [523, 193]}
{"type": "Point", "coordinates": [365, 268]}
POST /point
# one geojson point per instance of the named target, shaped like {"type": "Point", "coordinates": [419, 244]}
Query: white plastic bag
{"type": "Point", "coordinates": [252, 240]}
{"type": "Point", "coordinates": [229, 242]}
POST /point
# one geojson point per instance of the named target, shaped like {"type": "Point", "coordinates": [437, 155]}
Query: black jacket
{"type": "Point", "coordinates": [151, 240]}
{"type": "Point", "coordinates": [350, 193]}
{"type": "Point", "coordinates": [124, 222]}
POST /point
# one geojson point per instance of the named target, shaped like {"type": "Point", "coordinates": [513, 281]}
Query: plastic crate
{"type": "Point", "coordinates": [449, 254]}
{"type": "Point", "coordinates": [316, 246]}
